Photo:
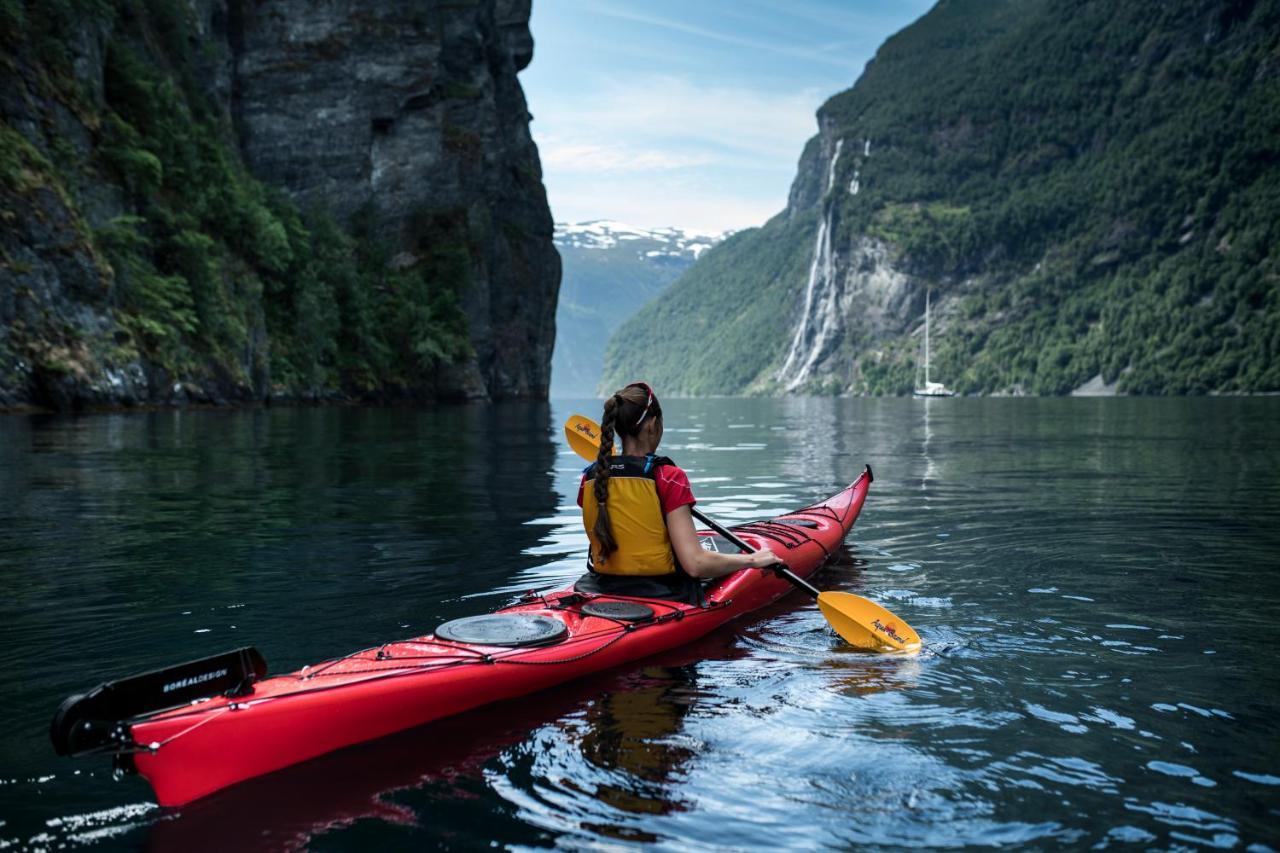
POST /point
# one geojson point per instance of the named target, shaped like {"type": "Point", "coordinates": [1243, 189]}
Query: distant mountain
{"type": "Point", "coordinates": [1091, 191]}
{"type": "Point", "coordinates": [610, 271]}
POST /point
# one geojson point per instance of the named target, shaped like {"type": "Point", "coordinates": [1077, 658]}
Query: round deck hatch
{"type": "Point", "coordinates": [503, 629]}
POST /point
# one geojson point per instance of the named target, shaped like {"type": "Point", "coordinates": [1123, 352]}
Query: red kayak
{"type": "Point", "coordinates": [199, 727]}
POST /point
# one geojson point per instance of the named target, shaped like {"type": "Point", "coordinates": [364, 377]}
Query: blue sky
{"type": "Point", "coordinates": [691, 113]}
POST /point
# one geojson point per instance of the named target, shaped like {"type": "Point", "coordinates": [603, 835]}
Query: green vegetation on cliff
{"type": "Point", "coordinates": [207, 272]}
{"type": "Point", "coordinates": [610, 271]}
{"type": "Point", "coordinates": [1088, 188]}
{"type": "Point", "coordinates": [711, 330]}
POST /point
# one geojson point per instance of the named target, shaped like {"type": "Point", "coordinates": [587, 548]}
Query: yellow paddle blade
{"type": "Point", "coordinates": [584, 436]}
{"type": "Point", "coordinates": [865, 624]}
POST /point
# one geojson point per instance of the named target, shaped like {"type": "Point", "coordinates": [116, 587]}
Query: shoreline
{"type": "Point", "coordinates": [31, 410]}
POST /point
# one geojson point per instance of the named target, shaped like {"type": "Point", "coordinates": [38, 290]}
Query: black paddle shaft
{"type": "Point", "coordinates": [781, 568]}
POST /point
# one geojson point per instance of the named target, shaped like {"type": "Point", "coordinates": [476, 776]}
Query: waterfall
{"type": "Point", "coordinates": [831, 170]}
{"type": "Point", "coordinates": [810, 338]}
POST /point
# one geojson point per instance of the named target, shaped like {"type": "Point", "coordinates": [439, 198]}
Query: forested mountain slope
{"type": "Point", "coordinates": [610, 271]}
{"type": "Point", "coordinates": [1090, 190]}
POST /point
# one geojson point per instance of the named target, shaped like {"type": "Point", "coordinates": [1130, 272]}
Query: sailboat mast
{"type": "Point", "coordinates": [926, 339]}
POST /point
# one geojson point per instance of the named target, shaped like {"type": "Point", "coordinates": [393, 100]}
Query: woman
{"type": "Point", "coordinates": [637, 507]}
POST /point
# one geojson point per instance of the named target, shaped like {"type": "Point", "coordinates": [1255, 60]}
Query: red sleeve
{"type": "Point", "coordinates": [673, 489]}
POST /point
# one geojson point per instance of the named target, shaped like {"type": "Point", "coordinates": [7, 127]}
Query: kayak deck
{"type": "Point", "coordinates": [193, 750]}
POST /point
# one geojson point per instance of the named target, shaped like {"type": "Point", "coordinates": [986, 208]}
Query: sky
{"type": "Point", "coordinates": [689, 113]}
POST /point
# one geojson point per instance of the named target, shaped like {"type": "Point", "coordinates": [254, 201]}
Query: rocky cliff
{"type": "Point", "coordinates": [1090, 190]}
{"type": "Point", "coordinates": [224, 200]}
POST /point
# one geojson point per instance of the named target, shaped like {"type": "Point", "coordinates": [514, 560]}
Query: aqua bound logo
{"type": "Point", "coordinates": [890, 630]}
{"type": "Point", "coordinates": [586, 430]}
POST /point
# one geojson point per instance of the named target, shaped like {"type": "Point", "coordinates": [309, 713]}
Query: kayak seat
{"type": "Point", "coordinates": [504, 629]}
{"type": "Point", "coordinates": [679, 588]}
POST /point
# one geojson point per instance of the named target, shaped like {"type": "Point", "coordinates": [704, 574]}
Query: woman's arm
{"type": "Point", "coordinates": [701, 563]}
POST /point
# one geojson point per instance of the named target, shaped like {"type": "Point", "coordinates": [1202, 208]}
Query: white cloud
{"type": "Point", "coordinates": [620, 158]}
{"type": "Point", "coordinates": [656, 149]}
{"type": "Point", "coordinates": [681, 118]}
{"type": "Point", "coordinates": [775, 45]}
{"type": "Point", "coordinates": [668, 112]}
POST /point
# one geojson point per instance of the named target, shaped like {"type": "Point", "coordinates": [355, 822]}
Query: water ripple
{"type": "Point", "coordinates": [1095, 582]}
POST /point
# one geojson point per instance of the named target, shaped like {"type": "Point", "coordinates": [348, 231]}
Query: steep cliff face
{"type": "Point", "coordinates": [413, 114]}
{"type": "Point", "coordinates": [861, 293]}
{"type": "Point", "coordinates": [226, 199]}
{"type": "Point", "coordinates": [1090, 190]}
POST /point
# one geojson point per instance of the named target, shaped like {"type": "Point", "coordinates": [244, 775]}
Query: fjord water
{"type": "Point", "coordinates": [1095, 581]}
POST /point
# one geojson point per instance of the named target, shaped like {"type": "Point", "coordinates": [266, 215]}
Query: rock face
{"type": "Point", "coordinates": [859, 291]}
{"type": "Point", "coordinates": [403, 110]}
{"type": "Point", "coordinates": [403, 123]}
{"type": "Point", "coordinates": [862, 297]}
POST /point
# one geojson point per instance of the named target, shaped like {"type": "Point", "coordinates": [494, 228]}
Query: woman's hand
{"type": "Point", "coordinates": [763, 558]}
{"type": "Point", "coordinates": [703, 564]}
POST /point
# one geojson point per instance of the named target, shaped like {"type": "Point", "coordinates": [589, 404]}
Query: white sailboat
{"type": "Point", "coordinates": [930, 389]}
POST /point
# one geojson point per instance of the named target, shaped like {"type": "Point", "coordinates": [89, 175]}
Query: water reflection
{"type": "Point", "coordinates": [408, 780]}
{"type": "Point", "coordinates": [930, 472]}
{"type": "Point", "coordinates": [862, 677]}
{"type": "Point", "coordinates": [131, 541]}
{"type": "Point", "coordinates": [628, 732]}
{"type": "Point", "coordinates": [1096, 581]}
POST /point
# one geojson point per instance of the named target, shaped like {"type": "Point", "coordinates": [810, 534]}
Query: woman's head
{"type": "Point", "coordinates": [634, 412]}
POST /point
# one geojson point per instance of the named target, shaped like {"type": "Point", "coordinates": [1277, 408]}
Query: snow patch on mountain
{"type": "Point", "coordinates": [649, 242]}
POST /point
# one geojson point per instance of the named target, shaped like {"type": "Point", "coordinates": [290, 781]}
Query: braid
{"type": "Point", "coordinates": [603, 529]}
{"type": "Point", "coordinates": [624, 415]}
